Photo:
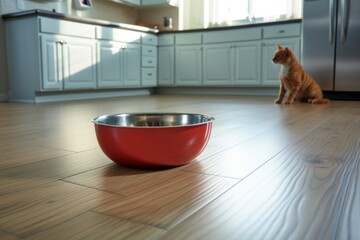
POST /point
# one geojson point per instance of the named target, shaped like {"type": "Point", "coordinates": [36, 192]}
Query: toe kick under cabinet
{"type": "Point", "coordinates": [48, 56]}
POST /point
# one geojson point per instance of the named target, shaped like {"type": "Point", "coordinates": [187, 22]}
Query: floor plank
{"type": "Point", "coordinates": [95, 226]}
{"type": "Point", "coordinates": [256, 144]}
{"type": "Point", "coordinates": [25, 152]}
{"type": "Point", "coordinates": [300, 194]}
{"type": "Point", "coordinates": [28, 212]}
{"type": "Point", "coordinates": [171, 201]}
{"type": "Point", "coordinates": [29, 175]}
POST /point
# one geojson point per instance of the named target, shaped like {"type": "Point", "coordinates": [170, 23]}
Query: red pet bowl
{"type": "Point", "coordinates": [153, 139]}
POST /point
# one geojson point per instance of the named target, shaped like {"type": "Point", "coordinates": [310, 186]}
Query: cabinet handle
{"type": "Point", "coordinates": [149, 74]}
{"type": "Point", "coordinates": [281, 31]}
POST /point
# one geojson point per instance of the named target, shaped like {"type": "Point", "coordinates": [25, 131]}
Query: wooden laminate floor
{"type": "Point", "coordinates": [269, 172]}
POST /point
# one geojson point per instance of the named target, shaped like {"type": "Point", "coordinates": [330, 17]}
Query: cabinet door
{"type": "Point", "coordinates": [188, 65]}
{"type": "Point", "coordinates": [217, 64]}
{"type": "Point", "coordinates": [166, 66]}
{"type": "Point", "coordinates": [131, 66]}
{"type": "Point", "coordinates": [132, 2]}
{"type": "Point", "coordinates": [247, 65]}
{"type": "Point", "coordinates": [109, 66]}
{"type": "Point", "coordinates": [159, 2]}
{"type": "Point", "coordinates": [270, 70]}
{"type": "Point", "coordinates": [51, 62]}
{"type": "Point", "coordinates": [79, 58]}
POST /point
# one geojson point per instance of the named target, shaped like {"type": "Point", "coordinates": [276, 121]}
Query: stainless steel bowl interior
{"type": "Point", "coordinates": [152, 119]}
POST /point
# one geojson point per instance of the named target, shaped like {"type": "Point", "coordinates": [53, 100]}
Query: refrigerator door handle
{"type": "Point", "coordinates": [331, 21]}
{"type": "Point", "coordinates": [344, 20]}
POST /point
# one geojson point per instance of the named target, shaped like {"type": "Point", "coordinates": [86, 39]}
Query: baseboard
{"type": "Point", "coordinates": [4, 97]}
{"type": "Point", "coordinates": [61, 96]}
{"type": "Point", "coordinates": [244, 91]}
{"type": "Point", "coordinates": [342, 95]}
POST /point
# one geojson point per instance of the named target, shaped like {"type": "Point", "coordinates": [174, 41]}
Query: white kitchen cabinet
{"type": "Point", "coordinates": [109, 66]}
{"type": "Point", "coordinates": [159, 2]}
{"type": "Point", "coordinates": [166, 60]}
{"type": "Point", "coordinates": [232, 63]}
{"type": "Point", "coordinates": [247, 63]}
{"type": "Point", "coordinates": [218, 64]}
{"type": "Point", "coordinates": [166, 66]}
{"type": "Point", "coordinates": [119, 58]}
{"type": "Point", "coordinates": [188, 59]}
{"type": "Point", "coordinates": [51, 56]}
{"type": "Point", "coordinates": [135, 3]}
{"type": "Point", "coordinates": [131, 70]}
{"type": "Point", "coordinates": [68, 62]}
{"type": "Point", "coordinates": [149, 61]}
{"type": "Point", "coordinates": [270, 70]}
{"type": "Point", "coordinates": [188, 65]}
{"type": "Point", "coordinates": [232, 57]}
{"type": "Point", "coordinates": [119, 64]}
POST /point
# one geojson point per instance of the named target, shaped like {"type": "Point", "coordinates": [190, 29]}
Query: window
{"type": "Point", "coordinates": [228, 12]}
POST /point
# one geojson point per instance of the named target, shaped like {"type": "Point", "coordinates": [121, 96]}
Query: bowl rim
{"type": "Point", "coordinates": [210, 119]}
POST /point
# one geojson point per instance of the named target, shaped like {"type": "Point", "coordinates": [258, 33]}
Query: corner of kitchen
{"type": "Point", "coordinates": [155, 119]}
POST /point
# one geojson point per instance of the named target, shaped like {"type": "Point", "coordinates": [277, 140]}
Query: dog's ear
{"type": "Point", "coordinates": [278, 47]}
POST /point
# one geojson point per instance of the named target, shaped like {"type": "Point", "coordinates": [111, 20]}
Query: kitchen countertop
{"type": "Point", "coordinates": [39, 12]}
{"type": "Point", "coordinates": [248, 25]}
{"type": "Point", "coordinates": [44, 13]}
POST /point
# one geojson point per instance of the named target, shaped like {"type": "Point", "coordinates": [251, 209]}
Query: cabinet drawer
{"type": "Point", "coordinates": [48, 25]}
{"type": "Point", "coordinates": [148, 61]}
{"type": "Point", "coordinates": [188, 38]}
{"type": "Point", "coordinates": [232, 35]}
{"type": "Point", "coordinates": [116, 34]}
{"type": "Point", "coordinates": [286, 30]}
{"type": "Point", "coordinates": [148, 75]}
{"type": "Point", "coordinates": [166, 40]}
{"type": "Point", "coordinates": [148, 51]}
{"type": "Point", "coordinates": [149, 39]}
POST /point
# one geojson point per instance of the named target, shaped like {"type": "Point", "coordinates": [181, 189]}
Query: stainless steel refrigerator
{"type": "Point", "coordinates": [331, 44]}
